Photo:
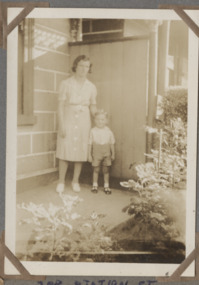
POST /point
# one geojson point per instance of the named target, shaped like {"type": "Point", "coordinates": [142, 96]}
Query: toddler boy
{"type": "Point", "coordinates": [101, 151]}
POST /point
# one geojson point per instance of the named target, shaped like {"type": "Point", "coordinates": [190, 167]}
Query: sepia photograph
{"type": "Point", "coordinates": [101, 141]}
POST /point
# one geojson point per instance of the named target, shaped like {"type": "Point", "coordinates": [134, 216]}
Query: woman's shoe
{"type": "Point", "coordinates": [94, 189]}
{"type": "Point", "coordinates": [60, 188]}
{"type": "Point", "coordinates": [76, 187]}
{"type": "Point", "coordinates": [107, 190]}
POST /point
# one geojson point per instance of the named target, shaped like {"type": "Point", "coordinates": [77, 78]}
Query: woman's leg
{"type": "Point", "coordinates": [96, 170]}
{"type": "Point", "coordinates": [77, 171]}
{"type": "Point", "coordinates": [63, 166]}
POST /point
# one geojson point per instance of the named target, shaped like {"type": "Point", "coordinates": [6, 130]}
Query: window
{"type": "Point", "coordinates": [98, 29]}
{"type": "Point", "coordinates": [25, 73]}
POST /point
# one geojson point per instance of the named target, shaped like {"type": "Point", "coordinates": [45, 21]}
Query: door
{"type": "Point", "coordinates": [120, 73]}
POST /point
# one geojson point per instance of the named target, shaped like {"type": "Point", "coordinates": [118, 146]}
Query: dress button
{"type": "Point", "coordinates": [75, 127]}
{"type": "Point", "coordinates": [75, 138]}
{"type": "Point", "coordinates": [76, 116]}
{"type": "Point", "coordinates": [74, 148]}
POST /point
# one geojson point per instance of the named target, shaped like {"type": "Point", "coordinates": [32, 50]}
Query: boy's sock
{"type": "Point", "coordinates": [106, 185]}
{"type": "Point", "coordinates": [95, 184]}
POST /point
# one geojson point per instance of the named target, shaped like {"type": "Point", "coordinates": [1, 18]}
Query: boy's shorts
{"type": "Point", "coordinates": [101, 155]}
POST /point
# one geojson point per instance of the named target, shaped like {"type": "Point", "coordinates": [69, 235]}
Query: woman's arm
{"type": "Point", "coordinates": [90, 153]}
{"type": "Point", "coordinates": [93, 109]}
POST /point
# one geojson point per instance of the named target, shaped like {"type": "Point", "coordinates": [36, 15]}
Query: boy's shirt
{"type": "Point", "coordinates": [101, 136]}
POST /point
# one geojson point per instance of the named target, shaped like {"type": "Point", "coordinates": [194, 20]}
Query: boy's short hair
{"type": "Point", "coordinates": [101, 112]}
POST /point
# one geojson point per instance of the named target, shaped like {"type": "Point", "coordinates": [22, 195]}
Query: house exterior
{"type": "Point", "coordinates": [36, 140]}
{"type": "Point", "coordinates": [131, 65]}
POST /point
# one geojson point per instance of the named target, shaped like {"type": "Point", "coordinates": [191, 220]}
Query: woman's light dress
{"type": "Point", "coordinates": [76, 100]}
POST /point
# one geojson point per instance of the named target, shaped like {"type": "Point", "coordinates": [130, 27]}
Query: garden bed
{"type": "Point", "coordinates": [170, 253]}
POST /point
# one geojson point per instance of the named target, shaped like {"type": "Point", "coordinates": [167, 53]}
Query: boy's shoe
{"type": "Point", "coordinates": [107, 190]}
{"type": "Point", "coordinates": [94, 189]}
{"type": "Point", "coordinates": [60, 188]}
{"type": "Point", "coordinates": [76, 187]}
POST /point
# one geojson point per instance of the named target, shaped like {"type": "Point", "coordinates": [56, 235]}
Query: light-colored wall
{"type": "Point", "coordinates": [36, 144]}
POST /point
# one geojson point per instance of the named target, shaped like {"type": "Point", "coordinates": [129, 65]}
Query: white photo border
{"type": "Point", "coordinates": [98, 269]}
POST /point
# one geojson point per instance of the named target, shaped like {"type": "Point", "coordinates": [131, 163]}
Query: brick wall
{"type": "Point", "coordinates": [37, 144]}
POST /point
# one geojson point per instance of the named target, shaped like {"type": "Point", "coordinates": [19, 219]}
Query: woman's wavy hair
{"type": "Point", "coordinates": [78, 59]}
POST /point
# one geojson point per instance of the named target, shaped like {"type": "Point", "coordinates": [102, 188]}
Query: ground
{"type": "Point", "coordinates": [109, 207]}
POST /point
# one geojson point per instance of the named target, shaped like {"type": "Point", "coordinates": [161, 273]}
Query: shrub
{"type": "Point", "coordinates": [168, 161]}
{"type": "Point", "coordinates": [167, 170]}
{"type": "Point", "coordinates": [152, 215]}
{"type": "Point", "coordinates": [167, 166]}
{"type": "Point", "coordinates": [174, 104]}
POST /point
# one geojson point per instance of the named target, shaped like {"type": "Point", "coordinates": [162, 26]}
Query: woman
{"type": "Point", "coordinates": [77, 99]}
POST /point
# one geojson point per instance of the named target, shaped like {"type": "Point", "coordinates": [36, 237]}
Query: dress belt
{"type": "Point", "coordinates": [79, 108]}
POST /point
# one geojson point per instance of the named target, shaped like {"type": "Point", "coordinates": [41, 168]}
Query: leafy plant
{"type": "Point", "coordinates": [152, 215]}
{"type": "Point", "coordinates": [49, 224]}
{"type": "Point", "coordinates": [171, 156]}
{"type": "Point", "coordinates": [90, 236]}
{"type": "Point", "coordinates": [56, 235]}
{"type": "Point", "coordinates": [168, 161]}
{"type": "Point", "coordinates": [166, 170]}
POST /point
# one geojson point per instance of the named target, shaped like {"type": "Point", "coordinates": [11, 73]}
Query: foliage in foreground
{"type": "Point", "coordinates": [55, 234]}
{"type": "Point", "coordinates": [150, 211]}
{"type": "Point", "coordinates": [166, 169]}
